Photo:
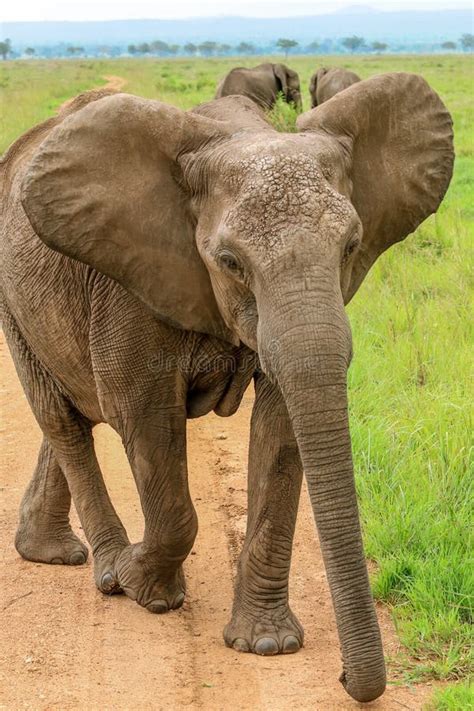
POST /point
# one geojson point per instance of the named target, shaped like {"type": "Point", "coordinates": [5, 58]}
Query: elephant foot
{"type": "Point", "coordinates": [41, 542]}
{"type": "Point", "coordinates": [141, 579]}
{"type": "Point", "coordinates": [105, 564]}
{"type": "Point", "coordinates": [265, 632]}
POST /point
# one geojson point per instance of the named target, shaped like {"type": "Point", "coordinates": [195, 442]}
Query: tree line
{"type": "Point", "coordinates": [353, 44]}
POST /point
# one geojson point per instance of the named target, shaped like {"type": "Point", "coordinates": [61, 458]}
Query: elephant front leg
{"type": "Point", "coordinates": [262, 621]}
{"type": "Point", "coordinates": [151, 572]}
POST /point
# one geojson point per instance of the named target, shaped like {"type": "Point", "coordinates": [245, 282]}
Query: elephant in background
{"type": "Point", "coordinates": [327, 82]}
{"type": "Point", "coordinates": [262, 84]}
{"type": "Point", "coordinates": [216, 249]}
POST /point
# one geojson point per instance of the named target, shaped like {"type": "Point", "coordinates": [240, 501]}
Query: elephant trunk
{"type": "Point", "coordinates": [309, 360]}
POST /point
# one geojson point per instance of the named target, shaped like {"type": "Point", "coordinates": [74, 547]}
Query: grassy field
{"type": "Point", "coordinates": [409, 382]}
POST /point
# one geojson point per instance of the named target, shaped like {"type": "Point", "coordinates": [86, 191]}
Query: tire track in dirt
{"type": "Point", "coordinates": [63, 645]}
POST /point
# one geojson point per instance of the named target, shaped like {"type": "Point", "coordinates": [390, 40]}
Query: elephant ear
{"type": "Point", "coordinates": [104, 188]}
{"type": "Point", "coordinates": [396, 136]}
{"type": "Point", "coordinates": [281, 73]}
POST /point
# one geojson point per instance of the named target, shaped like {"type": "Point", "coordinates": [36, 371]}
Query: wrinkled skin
{"type": "Point", "coordinates": [262, 84]}
{"type": "Point", "coordinates": [327, 82]}
{"type": "Point", "coordinates": [201, 242]}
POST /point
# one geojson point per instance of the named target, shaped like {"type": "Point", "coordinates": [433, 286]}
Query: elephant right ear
{"type": "Point", "coordinates": [104, 188]}
{"type": "Point", "coordinates": [396, 137]}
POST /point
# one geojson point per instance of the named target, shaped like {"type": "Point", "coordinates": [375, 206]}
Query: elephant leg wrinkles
{"type": "Point", "coordinates": [262, 621]}
{"type": "Point", "coordinates": [44, 534]}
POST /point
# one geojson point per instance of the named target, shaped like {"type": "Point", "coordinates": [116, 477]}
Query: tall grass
{"type": "Point", "coordinates": [410, 392]}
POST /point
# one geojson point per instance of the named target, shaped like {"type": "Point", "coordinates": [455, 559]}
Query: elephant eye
{"type": "Point", "coordinates": [351, 247]}
{"type": "Point", "coordinates": [229, 261]}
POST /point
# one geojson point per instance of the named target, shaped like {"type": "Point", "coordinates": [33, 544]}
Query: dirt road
{"type": "Point", "coordinates": [64, 645]}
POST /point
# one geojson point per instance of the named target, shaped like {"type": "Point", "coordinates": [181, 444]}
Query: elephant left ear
{"type": "Point", "coordinates": [397, 138]}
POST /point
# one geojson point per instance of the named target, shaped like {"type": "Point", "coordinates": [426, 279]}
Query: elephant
{"type": "Point", "coordinates": [326, 83]}
{"type": "Point", "coordinates": [262, 84]}
{"type": "Point", "coordinates": [156, 262]}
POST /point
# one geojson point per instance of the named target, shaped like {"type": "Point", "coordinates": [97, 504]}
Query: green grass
{"type": "Point", "coordinates": [409, 383]}
{"type": "Point", "coordinates": [457, 697]}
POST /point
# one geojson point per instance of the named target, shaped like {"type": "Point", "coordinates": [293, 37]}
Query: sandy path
{"type": "Point", "coordinates": [63, 645]}
{"type": "Point", "coordinates": [114, 82]}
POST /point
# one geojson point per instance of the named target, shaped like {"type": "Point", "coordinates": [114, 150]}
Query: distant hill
{"type": "Point", "coordinates": [399, 27]}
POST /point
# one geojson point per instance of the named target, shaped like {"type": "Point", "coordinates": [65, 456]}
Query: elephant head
{"type": "Point", "coordinates": [327, 82]}
{"type": "Point", "coordinates": [222, 225]}
{"type": "Point", "coordinates": [289, 84]}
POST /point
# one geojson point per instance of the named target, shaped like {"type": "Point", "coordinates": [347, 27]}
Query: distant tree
{"type": "Point", "coordinates": [190, 48]}
{"type": "Point", "coordinates": [74, 50]}
{"type": "Point", "coordinates": [159, 47]}
{"type": "Point", "coordinates": [245, 48]}
{"type": "Point", "coordinates": [379, 46]}
{"type": "Point", "coordinates": [467, 42]}
{"type": "Point", "coordinates": [5, 48]}
{"type": "Point", "coordinates": [30, 51]}
{"type": "Point", "coordinates": [353, 43]}
{"type": "Point", "coordinates": [131, 49]}
{"type": "Point", "coordinates": [313, 47]}
{"type": "Point", "coordinates": [173, 49]}
{"type": "Point", "coordinates": [207, 48]}
{"type": "Point", "coordinates": [449, 45]}
{"type": "Point", "coordinates": [105, 51]}
{"type": "Point", "coordinates": [143, 48]}
{"type": "Point", "coordinates": [286, 45]}
{"type": "Point", "coordinates": [224, 48]}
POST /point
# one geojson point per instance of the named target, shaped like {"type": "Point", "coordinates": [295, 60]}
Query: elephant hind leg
{"type": "Point", "coordinates": [67, 463]}
{"type": "Point", "coordinates": [44, 534]}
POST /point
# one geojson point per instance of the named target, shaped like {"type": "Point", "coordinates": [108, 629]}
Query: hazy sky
{"type": "Point", "coordinates": [17, 10]}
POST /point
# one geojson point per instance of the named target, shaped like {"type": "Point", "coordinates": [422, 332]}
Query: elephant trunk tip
{"type": "Point", "coordinates": [363, 693]}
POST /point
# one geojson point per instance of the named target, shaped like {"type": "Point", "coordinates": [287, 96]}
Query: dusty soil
{"type": "Point", "coordinates": [64, 645]}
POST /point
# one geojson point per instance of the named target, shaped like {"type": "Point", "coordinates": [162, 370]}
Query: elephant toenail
{"type": "Point", "coordinates": [57, 561]}
{"type": "Point", "coordinates": [241, 645]}
{"type": "Point", "coordinates": [290, 645]}
{"type": "Point", "coordinates": [179, 599]}
{"type": "Point", "coordinates": [108, 583]}
{"type": "Point", "coordinates": [158, 607]}
{"type": "Point", "coordinates": [266, 646]}
{"type": "Point", "coordinates": [77, 558]}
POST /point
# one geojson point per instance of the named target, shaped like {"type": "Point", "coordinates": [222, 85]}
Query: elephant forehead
{"type": "Point", "coordinates": [281, 194]}
{"type": "Point", "coordinates": [274, 169]}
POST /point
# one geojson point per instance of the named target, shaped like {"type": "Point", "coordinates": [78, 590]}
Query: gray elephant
{"type": "Point", "coordinates": [262, 84]}
{"type": "Point", "coordinates": [326, 83]}
{"type": "Point", "coordinates": [151, 256]}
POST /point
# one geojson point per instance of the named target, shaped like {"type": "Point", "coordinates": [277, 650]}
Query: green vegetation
{"type": "Point", "coordinates": [413, 339]}
{"type": "Point", "coordinates": [457, 697]}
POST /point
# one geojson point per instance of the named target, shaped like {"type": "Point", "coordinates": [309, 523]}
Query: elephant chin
{"type": "Point", "coordinates": [310, 364]}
